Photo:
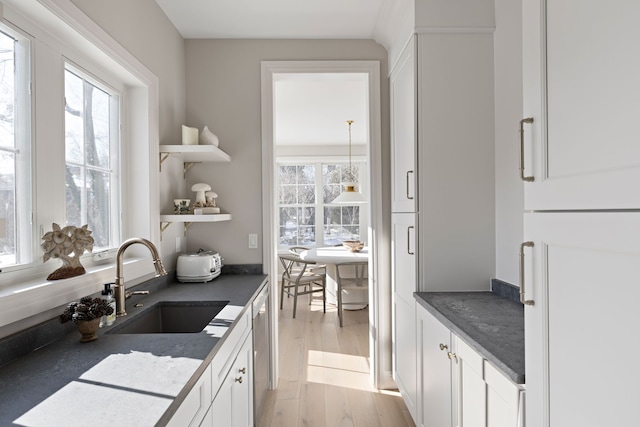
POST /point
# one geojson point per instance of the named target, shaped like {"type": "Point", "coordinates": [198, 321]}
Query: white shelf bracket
{"type": "Point", "coordinates": [186, 227]}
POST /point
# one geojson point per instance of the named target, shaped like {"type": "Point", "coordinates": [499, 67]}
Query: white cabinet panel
{"type": "Point", "coordinates": [403, 89]}
{"type": "Point", "coordinates": [472, 388]}
{"type": "Point", "coordinates": [581, 89]}
{"type": "Point", "coordinates": [405, 352]}
{"type": "Point", "coordinates": [503, 399]}
{"type": "Point", "coordinates": [192, 410]}
{"type": "Point", "coordinates": [403, 251]}
{"type": "Point", "coordinates": [434, 369]}
{"type": "Point", "coordinates": [582, 275]}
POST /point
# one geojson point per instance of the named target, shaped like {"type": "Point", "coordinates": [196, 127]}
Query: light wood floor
{"type": "Point", "coordinates": [324, 373]}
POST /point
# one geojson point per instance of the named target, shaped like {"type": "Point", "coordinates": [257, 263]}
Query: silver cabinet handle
{"type": "Point", "coordinates": [238, 380]}
{"type": "Point", "coordinates": [243, 370]}
{"type": "Point", "coordinates": [522, 177]}
{"type": "Point", "coordinates": [523, 299]}
{"type": "Point", "coordinates": [408, 196]}
{"type": "Point", "coordinates": [443, 347]}
{"type": "Point", "coordinates": [452, 356]}
{"type": "Point", "coordinates": [409, 228]}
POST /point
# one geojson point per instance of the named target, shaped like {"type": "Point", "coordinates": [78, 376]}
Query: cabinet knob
{"type": "Point", "coordinates": [453, 356]}
{"type": "Point", "coordinates": [243, 370]}
{"type": "Point", "coordinates": [443, 347]}
{"type": "Point", "coordinates": [238, 380]}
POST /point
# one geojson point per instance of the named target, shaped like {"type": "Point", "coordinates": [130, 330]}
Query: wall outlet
{"type": "Point", "coordinates": [178, 244]}
{"type": "Point", "coordinates": [253, 241]}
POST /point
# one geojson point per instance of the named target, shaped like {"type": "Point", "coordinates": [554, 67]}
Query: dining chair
{"type": "Point", "coordinates": [350, 277]}
{"type": "Point", "coordinates": [299, 279]}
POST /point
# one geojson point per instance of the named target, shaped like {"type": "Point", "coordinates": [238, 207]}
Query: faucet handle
{"type": "Point", "coordinates": [128, 294]}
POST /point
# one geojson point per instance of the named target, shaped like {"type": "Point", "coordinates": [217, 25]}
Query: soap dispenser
{"type": "Point", "coordinates": [108, 293]}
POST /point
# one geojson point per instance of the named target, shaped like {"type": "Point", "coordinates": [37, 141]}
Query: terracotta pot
{"type": "Point", "coordinates": [89, 329]}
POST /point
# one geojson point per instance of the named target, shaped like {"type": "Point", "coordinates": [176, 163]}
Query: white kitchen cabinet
{"type": "Point", "coordinates": [403, 89]}
{"type": "Point", "coordinates": [404, 253]}
{"type": "Point", "coordinates": [194, 407]}
{"type": "Point", "coordinates": [436, 405]}
{"type": "Point", "coordinates": [581, 276]}
{"type": "Point", "coordinates": [225, 390]}
{"type": "Point", "coordinates": [233, 404]}
{"type": "Point", "coordinates": [457, 386]}
{"type": "Point", "coordinates": [472, 389]}
{"type": "Point", "coordinates": [581, 89]}
{"type": "Point", "coordinates": [503, 399]}
{"type": "Point", "coordinates": [403, 269]}
{"type": "Point", "coordinates": [190, 155]}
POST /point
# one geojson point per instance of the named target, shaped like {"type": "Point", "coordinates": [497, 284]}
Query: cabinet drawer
{"type": "Point", "coordinates": [224, 358]}
{"type": "Point", "coordinates": [194, 407]}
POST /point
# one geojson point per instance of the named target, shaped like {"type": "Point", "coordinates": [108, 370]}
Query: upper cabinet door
{"type": "Point", "coordinates": [403, 131]}
{"type": "Point", "coordinates": [581, 88]}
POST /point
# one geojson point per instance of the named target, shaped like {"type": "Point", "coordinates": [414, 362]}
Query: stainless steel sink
{"type": "Point", "coordinates": [171, 317]}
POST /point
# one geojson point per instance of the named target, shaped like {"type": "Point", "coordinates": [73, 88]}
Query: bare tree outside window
{"type": "Point", "coordinates": [8, 151]}
{"type": "Point", "coordinates": [306, 212]}
{"type": "Point", "coordinates": [88, 163]}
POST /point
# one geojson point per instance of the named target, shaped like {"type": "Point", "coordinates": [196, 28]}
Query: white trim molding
{"type": "Point", "coordinates": [379, 267]}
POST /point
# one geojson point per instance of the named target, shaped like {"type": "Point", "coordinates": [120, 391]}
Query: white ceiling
{"type": "Point", "coordinates": [279, 19]}
{"type": "Point", "coordinates": [313, 109]}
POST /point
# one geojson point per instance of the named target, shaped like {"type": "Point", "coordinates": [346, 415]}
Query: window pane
{"type": "Point", "coordinates": [98, 207]}
{"type": "Point", "coordinates": [7, 91]}
{"type": "Point", "coordinates": [306, 174]}
{"type": "Point", "coordinates": [288, 194]}
{"type": "Point", "coordinates": [98, 152]}
{"type": "Point", "coordinates": [74, 118]}
{"type": "Point", "coordinates": [8, 235]}
{"type": "Point", "coordinates": [330, 174]}
{"type": "Point", "coordinates": [287, 174]}
{"type": "Point", "coordinates": [74, 189]}
{"type": "Point", "coordinates": [297, 226]}
{"type": "Point", "coordinates": [89, 147]}
{"type": "Point", "coordinates": [306, 194]}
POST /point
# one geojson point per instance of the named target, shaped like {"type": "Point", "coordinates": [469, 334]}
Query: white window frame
{"type": "Point", "coordinates": [24, 174]}
{"type": "Point", "coordinates": [26, 297]}
{"type": "Point", "coordinates": [319, 204]}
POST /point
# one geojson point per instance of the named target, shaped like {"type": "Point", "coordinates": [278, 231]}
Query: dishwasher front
{"type": "Point", "coordinates": [261, 354]}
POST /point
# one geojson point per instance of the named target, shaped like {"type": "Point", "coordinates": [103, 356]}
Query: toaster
{"type": "Point", "coordinates": [202, 266]}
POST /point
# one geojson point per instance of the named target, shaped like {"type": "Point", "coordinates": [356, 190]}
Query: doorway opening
{"type": "Point", "coordinates": [303, 145]}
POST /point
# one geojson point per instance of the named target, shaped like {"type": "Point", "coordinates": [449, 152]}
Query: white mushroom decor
{"type": "Point", "coordinates": [200, 189]}
{"type": "Point", "coordinates": [68, 244]}
{"type": "Point", "coordinates": [211, 202]}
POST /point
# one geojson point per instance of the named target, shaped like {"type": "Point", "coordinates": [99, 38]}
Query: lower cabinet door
{"type": "Point", "coordinates": [404, 353]}
{"type": "Point", "coordinates": [503, 399]}
{"type": "Point", "coordinates": [472, 388]}
{"type": "Point", "coordinates": [583, 278]}
{"type": "Point", "coordinates": [434, 366]}
{"type": "Point", "coordinates": [233, 404]}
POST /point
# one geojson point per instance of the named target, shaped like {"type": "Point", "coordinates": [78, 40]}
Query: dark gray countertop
{"type": "Point", "coordinates": [120, 379]}
{"type": "Point", "coordinates": [492, 325]}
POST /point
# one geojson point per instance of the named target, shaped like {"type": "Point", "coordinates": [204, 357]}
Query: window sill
{"type": "Point", "coordinates": [34, 299]}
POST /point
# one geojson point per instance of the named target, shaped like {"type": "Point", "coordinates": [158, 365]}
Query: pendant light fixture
{"type": "Point", "coordinates": [350, 195]}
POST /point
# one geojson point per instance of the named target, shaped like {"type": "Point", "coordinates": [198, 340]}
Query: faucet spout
{"type": "Point", "coordinates": [119, 287]}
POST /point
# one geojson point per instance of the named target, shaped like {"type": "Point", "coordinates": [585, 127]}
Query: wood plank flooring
{"type": "Point", "coordinates": [324, 373]}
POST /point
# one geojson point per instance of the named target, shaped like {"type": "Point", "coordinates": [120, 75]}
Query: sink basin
{"type": "Point", "coordinates": [171, 317]}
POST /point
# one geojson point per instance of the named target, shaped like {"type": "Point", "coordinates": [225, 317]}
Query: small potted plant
{"type": "Point", "coordinates": [86, 315]}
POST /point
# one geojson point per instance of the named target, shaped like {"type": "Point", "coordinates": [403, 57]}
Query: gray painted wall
{"type": "Point", "coordinates": [508, 106]}
{"type": "Point", "coordinates": [223, 92]}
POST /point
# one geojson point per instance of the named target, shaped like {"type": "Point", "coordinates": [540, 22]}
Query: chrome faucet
{"type": "Point", "coordinates": [120, 293]}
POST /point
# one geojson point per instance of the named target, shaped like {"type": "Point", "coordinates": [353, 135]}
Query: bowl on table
{"type": "Point", "coordinates": [353, 245]}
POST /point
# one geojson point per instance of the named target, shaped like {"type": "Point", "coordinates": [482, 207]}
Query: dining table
{"type": "Point", "coordinates": [332, 255]}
